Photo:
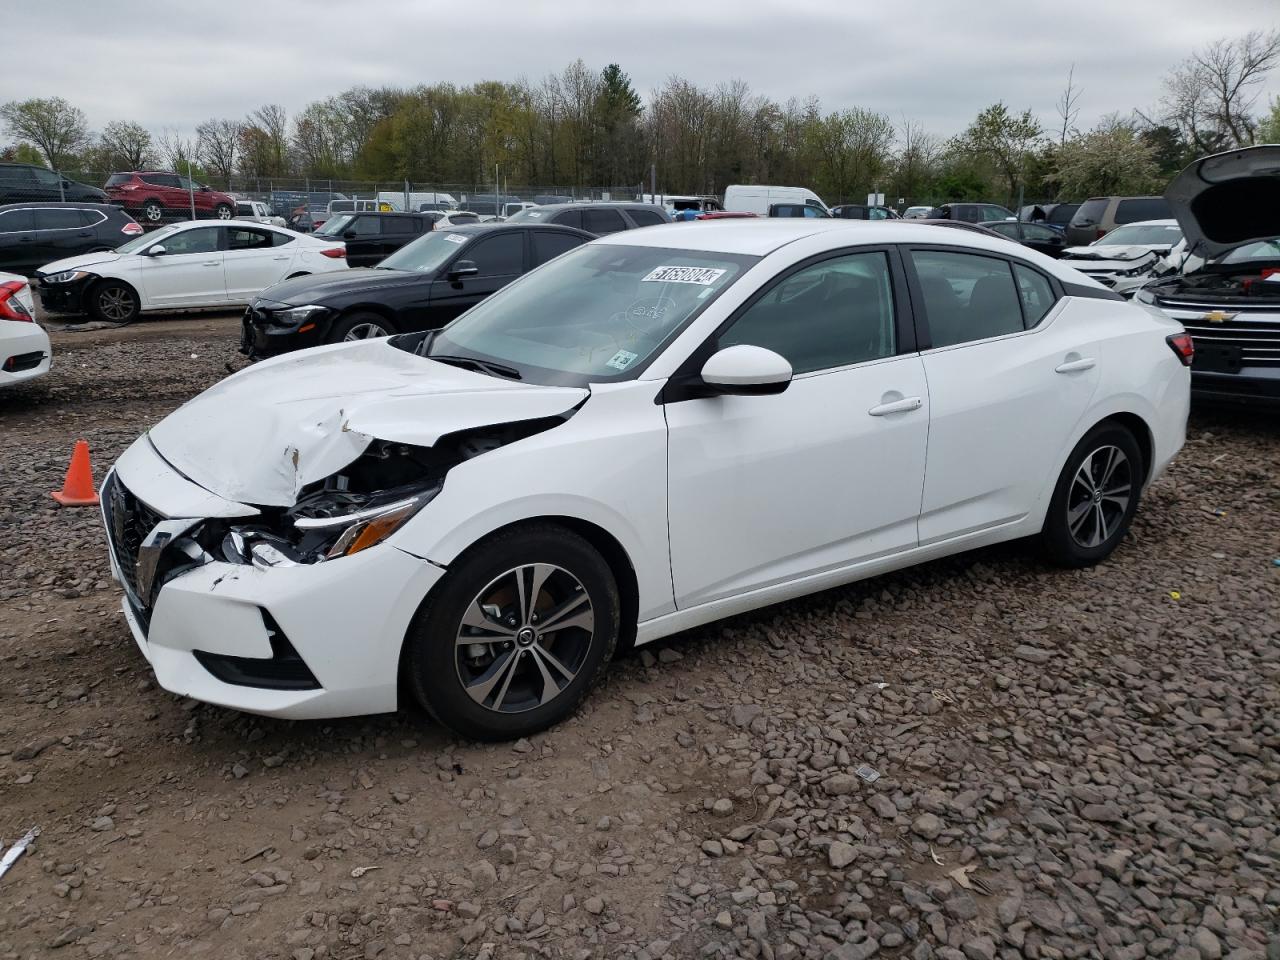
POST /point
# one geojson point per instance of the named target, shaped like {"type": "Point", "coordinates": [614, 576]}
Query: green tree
{"type": "Point", "coordinates": [1269, 123]}
{"type": "Point", "coordinates": [1003, 140]}
{"type": "Point", "coordinates": [1110, 159]}
{"type": "Point", "coordinates": [124, 145]}
{"type": "Point", "coordinates": [53, 125]}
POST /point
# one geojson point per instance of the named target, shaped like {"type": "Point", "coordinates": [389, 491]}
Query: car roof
{"type": "Point", "coordinates": [1167, 222]}
{"type": "Point", "coordinates": [582, 204]}
{"type": "Point", "coordinates": [59, 204]}
{"type": "Point", "coordinates": [492, 226]}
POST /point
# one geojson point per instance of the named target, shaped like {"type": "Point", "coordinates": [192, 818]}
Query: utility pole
{"type": "Point", "coordinates": [653, 183]}
{"type": "Point", "coordinates": [191, 189]}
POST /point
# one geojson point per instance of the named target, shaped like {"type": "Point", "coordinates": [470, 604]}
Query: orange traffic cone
{"type": "Point", "coordinates": [77, 489]}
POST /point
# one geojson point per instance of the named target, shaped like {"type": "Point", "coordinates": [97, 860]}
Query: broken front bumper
{"type": "Point", "coordinates": [302, 642]}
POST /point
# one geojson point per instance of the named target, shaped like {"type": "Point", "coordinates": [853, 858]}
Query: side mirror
{"type": "Point", "coordinates": [348, 235]}
{"type": "Point", "coordinates": [204, 188]}
{"type": "Point", "coordinates": [463, 268]}
{"type": "Point", "coordinates": [745, 370]}
{"type": "Point", "coordinates": [157, 251]}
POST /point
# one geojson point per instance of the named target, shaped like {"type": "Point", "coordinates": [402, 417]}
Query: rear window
{"type": "Point", "coordinates": [118, 178]}
{"type": "Point", "coordinates": [1145, 208]}
{"type": "Point", "coordinates": [1062, 213]}
{"type": "Point", "coordinates": [1091, 212]}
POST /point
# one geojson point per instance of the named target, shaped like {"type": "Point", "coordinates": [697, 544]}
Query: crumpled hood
{"type": "Point", "coordinates": [1228, 199]}
{"type": "Point", "coordinates": [260, 436]}
{"type": "Point", "coordinates": [1104, 251]}
{"type": "Point", "coordinates": [82, 262]}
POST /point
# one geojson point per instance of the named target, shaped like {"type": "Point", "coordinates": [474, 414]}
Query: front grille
{"type": "Point", "coordinates": [128, 522]}
{"type": "Point", "coordinates": [1258, 340]}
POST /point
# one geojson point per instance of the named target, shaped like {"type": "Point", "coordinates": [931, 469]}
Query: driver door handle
{"type": "Point", "coordinates": [1071, 366]}
{"type": "Point", "coordinates": [905, 405]}
{"type": "Point", "coordinates": [209, 263]}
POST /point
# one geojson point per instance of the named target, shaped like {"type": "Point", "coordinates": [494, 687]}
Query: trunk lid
{"type": "Point", "coordinates": [1228, 199]}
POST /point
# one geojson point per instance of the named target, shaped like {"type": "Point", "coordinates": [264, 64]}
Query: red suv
{"type": "Point", "coordinates": [154, 197]}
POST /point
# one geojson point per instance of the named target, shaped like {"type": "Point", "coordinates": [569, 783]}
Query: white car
{"type": "Point", "coordinates": [656, 430]}
{"type": "Point", "coordinates": [24, 346]}
{"type": "Point", "coordinates": [1124, 259]}
{"type": "Point", "coordinates": [255, 211]}
{"type": "Point", "coordinates": [183, 266]}
{"type": "Point", "coordinates": [444, 219]}
{"type": "Point", "coordinates": [917, 213]}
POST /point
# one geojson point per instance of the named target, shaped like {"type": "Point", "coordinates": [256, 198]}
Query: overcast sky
{"type": "Point", "coordinates": [173, 64]}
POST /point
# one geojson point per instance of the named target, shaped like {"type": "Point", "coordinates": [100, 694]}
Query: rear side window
{"type": "Point", "coordinates": [1036, 294]}
{"type": "Point", "coordinates": [602, 221]}
{"type": "Point", "coordinates": [1146, 208]}
{"type": "Point", "coordinates": [570, 218]}
{"type": "Point", "coordinates": [1032, 231]}
{"type": "Point", "coordinates": [646, 218]}
{"type": "Point", "coordinates": [549, 244]}
{"type": "Point", "coordinates": [280, 239]}
{"type": "Point", "coordinates": [48, 219]}
{"type": "Point", "coordinates": [1006, 229]}
{"type": "Point", "coordinates": [91, 218]}
{"type": "Point", "coordinates": [118, 178]}
{"type": "Point", "coordinates": [967, 297]}
{"type": "Point", "coordinates": [242, 238]}
{"type": "Point", "coordinates": [15, 174]}
{"type": "Point", "coordinates": [1090, 212]}
{"type": "Point", "coordinates": [498, 256]}
{"type": "Point", "coordinates": [160, 179]}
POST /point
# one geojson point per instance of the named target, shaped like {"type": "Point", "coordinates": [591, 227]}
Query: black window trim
{"type": "Point", "coordinates": [251, 227]}
{"type": "Point", "coordinates": [686, 382]}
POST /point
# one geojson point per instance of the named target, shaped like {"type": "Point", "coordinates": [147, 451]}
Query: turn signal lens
{"type": "Point", "coordinates": [334, 253]}
{"type": "Point", "coordinates": [361, 536]}
{"type": "Point", "coordinates": [1183, 346]}
{"type": "Point", "coordinates": [11, 308]}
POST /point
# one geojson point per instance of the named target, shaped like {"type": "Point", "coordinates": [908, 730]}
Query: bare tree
{"type": "Point", "coordinates": [1208, 97]}
{"type": "Point", "coordinates": [57, 128]}
{"type": "Point", "coordinates": [274, 122]}
{"type": "Point", "coordinates": [126, 145]}
{"type": "Point", "coordinates": [219, 140]}
{"type": "Point", "coordinates": [1066, 106]}
{"type": "Point", "coordinates": [917, 158]}
{"type": "Point", "coordinates": [176, 151]}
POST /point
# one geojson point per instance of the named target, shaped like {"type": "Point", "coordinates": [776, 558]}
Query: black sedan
{"type": "Point", "coordinates": [1034, 235]}
{"type": "Point", "coordinates": [422, 286]}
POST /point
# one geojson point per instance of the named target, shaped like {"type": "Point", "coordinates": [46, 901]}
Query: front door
{"type": "Point", "coordinates": [188, 273]}
{"type": "Point", "coordinates": [499, 259]}
{"type": "Point", "coordinates": [1006, 391]}
{"type": "Point", "coordinates": [767, 489]}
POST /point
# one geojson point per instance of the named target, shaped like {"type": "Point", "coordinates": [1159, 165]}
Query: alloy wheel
{"type": "Point", "coordinates": [224, 213]}
{"type": "Point", "coordinates": [365, 331]}
{"type": "Point", "coordinates": [153, 212]}
{"type": "Point", "coordinates": [524, 638]}
{"type": "Point", "coordinates": [1099, 496]}
{"type": "Point", "coordinates": [115, 303]}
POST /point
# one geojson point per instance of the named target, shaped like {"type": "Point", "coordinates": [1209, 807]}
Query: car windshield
{"type": "Point", "coordinates": [146, 239]}
{"type": "Point", "coordinates": [334, 226]}
{"type": "Point", "coordinates": [593, 314]}
{"type": "Point", "coordinates": [1149, 234]}
{"type": "Point", "coordinates": [528, 213]}
{"type": "Point", "coordinates": [426, 254]}
{"type": "Point", "coordinates": [1261, 250]}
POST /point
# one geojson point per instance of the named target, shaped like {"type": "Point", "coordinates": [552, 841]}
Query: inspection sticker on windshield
{"type": "Point", "coordinates": [703, 276]}
{"type": "Point", "coordinates": [621, 360]}
{"type": "Point", "coordinates": [455, 238]}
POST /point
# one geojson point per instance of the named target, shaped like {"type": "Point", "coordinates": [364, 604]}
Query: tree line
{"type": "Point", "coordinates": [590, 129]}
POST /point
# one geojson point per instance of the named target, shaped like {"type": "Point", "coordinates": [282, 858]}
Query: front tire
{"type": "Point", "coordinates": [1095, 499]}
{"type": "Point", "coordinates": [113, 301]}
{"type": "Point", "coordinates": [514, 636]}
{"type": "Point", "coordinates": [360, 326]}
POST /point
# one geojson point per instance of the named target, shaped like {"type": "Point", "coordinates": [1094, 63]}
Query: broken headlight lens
{"type": "Point", "coordinates": [363, 529]}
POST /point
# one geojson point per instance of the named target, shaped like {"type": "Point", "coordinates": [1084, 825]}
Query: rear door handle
{"type": "Point", "coordinates": [279, 258]}
{"type": "Point", "coordinates": [905, 405]}
{"type": "Point", "coordinates": [1072, 366]}
{"type": "Point", "coordinates": [209, 263]}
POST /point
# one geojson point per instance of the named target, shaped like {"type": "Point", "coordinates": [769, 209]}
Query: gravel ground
{"type": "Point", "coordinates": [1071, 764]}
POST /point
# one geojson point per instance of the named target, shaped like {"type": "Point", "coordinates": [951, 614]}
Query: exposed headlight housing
{"type": "Point", "coordinates": [363, 529]}
{"type": "Point", "coordinates": [296, 315]}
{"type": "Point", "coordinates": [65, 276]}
{"type": "Point", "coordinates": [1144, 295]}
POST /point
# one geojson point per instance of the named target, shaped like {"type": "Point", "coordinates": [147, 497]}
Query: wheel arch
{"type": "Point", "coordinates": [1141, 431]}
{"type": "Point", "coordinates": [99, 280]}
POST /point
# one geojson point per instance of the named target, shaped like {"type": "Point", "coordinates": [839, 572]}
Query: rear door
{"type": "Point", "coordinates": [189, 273]}
{"type": "Point", "coordinates": [60, 232]}
{"type": "Point", "coordinates": [549, 244]}
{"type": "Point", "coordinates": [363, 237]}
{"type": "Point", "coordinates": [251, 262]}
{"type": "Point", "coordinates": [1006, 390]}
{"type": "Point", "coordinates": [164, 187]}
{"type": "Point", "coordinates": [499, 259]}
{"type": "Point", "coordinates": [602, 221]}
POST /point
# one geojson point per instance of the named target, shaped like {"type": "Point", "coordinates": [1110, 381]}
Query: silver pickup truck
{"type": "Point", "coordinates": [258, 212]}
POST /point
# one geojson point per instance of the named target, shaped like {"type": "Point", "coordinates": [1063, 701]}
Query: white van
{"type": "Point", "coordinates": [675, 203]}
{"type": "Point", "coordinates": [419, 200]}
{"type": "Point", "coordinates": [758, 199]}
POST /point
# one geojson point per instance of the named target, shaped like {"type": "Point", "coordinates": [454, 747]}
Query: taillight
{"type": "Point", "coordinates": [1101, 234]}
{"type": "Point", "coordinates": [131, 229]}
{"type": "Point", "coordinates": [334, 253]}
{"type": "Point", "coordinates": [11, 308]}
{"type": "Point", "coordinates": [1183, 346]}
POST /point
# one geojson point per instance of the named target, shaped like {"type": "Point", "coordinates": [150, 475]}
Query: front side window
{"type": "Point", "coordinates": [201, 240]}
{"type": "Point", "coordinates": [1032, 231]}
{"type": "Point", "coordinates": [243, 238]}
{"type": "Point", "coordinates": [830, 314]}
{"type": "Point", "coordinates": [244, 210]}
{"type": "Point", "coordinates": [46, 177]}
{"type": "Point", "coordinates": [50, 219]}
{"type": "Point", "coordinates": [365, 227]}
{"type": "Point", "coordinates": [1143, 208]}
{"type": "Point", "coordinates": [991, 212]}
{"type": "Point", "coordinates": [966, 296]}
{"type": "Point", "coordinates": [1006, 229]}
{"type": "Point", "coordinates": [500, 256]}
{"type": "Point", "coordinates": [1035, 292]}
{"type": "Point", "coordinates": [596, 313]}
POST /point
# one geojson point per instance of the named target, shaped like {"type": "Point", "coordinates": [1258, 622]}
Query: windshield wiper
{"type": "Point", "coordinates": [485, 366]}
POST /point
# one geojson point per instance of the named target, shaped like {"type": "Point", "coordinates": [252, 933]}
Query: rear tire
{"type": "Point", "coordinates": [510, 675]}
{"type": "Point", "coordinates": [223, 212]}
{"type": "Point", "coordinates": [360, 326]}
{"type": "Point", "coordinates": [1095, 499]}
{"type": "Point", "coordinates": [113, 301]}
{"type": "Point", "coordinates": [152, 211]}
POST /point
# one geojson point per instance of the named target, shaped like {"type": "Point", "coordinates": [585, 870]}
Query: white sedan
{"type": "Point", "coordinates": [1125, 258]}
{"type": "Point", "coordinates": [653, 431]}
{"type": "Point", "coordinates": [184, 266]}
{"type": "Point", "coordinates": [24, 346]}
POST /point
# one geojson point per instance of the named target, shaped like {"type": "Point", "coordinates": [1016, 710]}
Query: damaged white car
{"type": "Point", "coordinates": [654, 431]}
{"type": "Point", "coordinates": [1126, 257]}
